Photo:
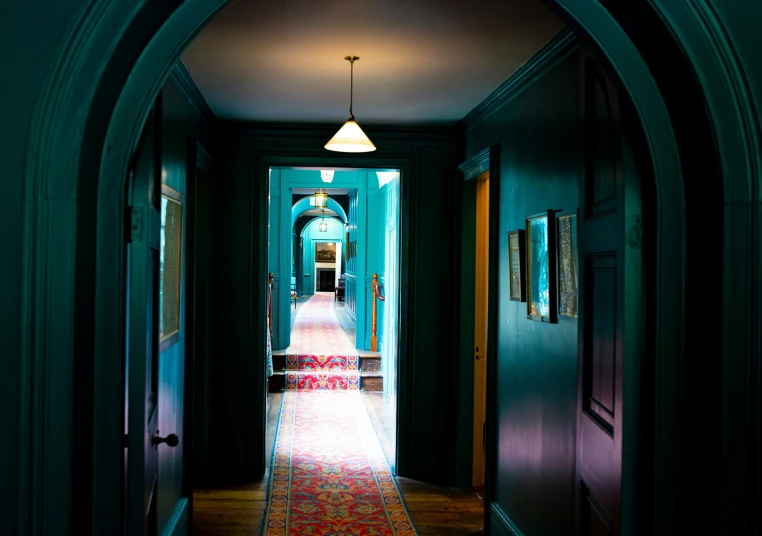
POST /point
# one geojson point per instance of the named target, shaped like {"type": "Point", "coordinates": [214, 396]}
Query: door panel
{"type": "Point", "coordinates": [604, 301]}
{"type": "Point", "coordinates": [143, 332]}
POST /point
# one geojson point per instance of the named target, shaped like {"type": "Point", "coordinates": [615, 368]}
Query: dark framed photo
{"type": "Point", "coordinates": [516, 265]}
{"type": "Point", "coordinates": [541, 267]}
{"type": "Point", "coordinates": [170, 266]}
{"type": "Point", "coordinates": [568, 264]}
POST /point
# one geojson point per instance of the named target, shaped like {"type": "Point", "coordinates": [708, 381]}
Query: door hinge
{"type": "Point", "coordinates": [135, 224]}
{"type": "Point", "coordinates": [635, 232]}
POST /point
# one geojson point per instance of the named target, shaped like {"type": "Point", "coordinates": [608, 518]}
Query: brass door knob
{"type": "Point", "coordinates": [171, 440]}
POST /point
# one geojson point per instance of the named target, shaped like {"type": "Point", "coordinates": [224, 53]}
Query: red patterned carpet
{"type": "Point", "coordinates": [329, 476]}
{"type": "Point", "coordinates": [320, 356]}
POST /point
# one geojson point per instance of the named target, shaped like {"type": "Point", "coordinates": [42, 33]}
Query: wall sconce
{"type": "Point", "coordinates": [326, 175]}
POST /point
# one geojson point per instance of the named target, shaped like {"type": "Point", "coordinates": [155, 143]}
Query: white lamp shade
{"type": "Point", "coordinates": [350, 139]}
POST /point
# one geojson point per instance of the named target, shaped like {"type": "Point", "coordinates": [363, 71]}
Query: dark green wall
{"type": "Point", "coordinates": [540, 163]}
{"type": "Point", "coordinates": [427, 159]}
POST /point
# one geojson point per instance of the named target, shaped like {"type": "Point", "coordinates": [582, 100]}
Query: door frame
{"type": "Point", "coordinates": [89, 116]}
{"type": "Point", "coordinates": [406, 164]}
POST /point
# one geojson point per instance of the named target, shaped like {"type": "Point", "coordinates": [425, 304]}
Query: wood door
{"type": "Point", "coordinates": [143, 331]}
{"type": "Point", "coordinates": [610, 302]}
{"type": "Point", "coordinates": [481, 295]}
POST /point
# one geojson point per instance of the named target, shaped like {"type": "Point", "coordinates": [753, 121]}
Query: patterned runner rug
{"type": "Point", "coordinates": [329, 476]}
{"type": "Point", "coordinates": [320, 356]}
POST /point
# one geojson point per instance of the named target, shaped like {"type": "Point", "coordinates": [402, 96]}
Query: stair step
{"type": "Point", "coordinates": [369, 381]}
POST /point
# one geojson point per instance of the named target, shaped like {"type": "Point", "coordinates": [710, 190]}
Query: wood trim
{"type": "Point", "coordinates": [557, 49]}
{"type": "Point", "coordinates": [476, 165]}
{"type": "Point", "coordinates": [179, 519]}
{"type": "Point", "coordinates": [500, 523]}
{"type": "Point", "coordinates": [188, 87]}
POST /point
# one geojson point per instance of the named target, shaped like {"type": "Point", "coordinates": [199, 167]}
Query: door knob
{"type": "Point", "coordinates": [171, 440]}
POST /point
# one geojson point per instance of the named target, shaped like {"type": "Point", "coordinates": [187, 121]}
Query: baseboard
{"type": "Point", "coordinates": [500, 524]}
{"type": "Point", "coordinates": [178, 525]}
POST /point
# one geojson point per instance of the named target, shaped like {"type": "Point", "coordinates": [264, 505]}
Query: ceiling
{"type": "Point", "coordinates": [422, 62]}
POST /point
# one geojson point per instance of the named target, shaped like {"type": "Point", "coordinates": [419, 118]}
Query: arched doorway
{"type": "Point", "coordinates": [98, 162]}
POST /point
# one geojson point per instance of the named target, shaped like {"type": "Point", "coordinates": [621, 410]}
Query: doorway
{"type": "Point", "coordinates": [350, 244]}
{"type": "Point", "coordinates": [153, 70]}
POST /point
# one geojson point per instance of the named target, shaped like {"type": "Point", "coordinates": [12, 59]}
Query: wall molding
{"type": "Point", "coordinates": [555, 51]}
{"type": "Point", "coordinates": [179, 519]}
{"type": "Point", "coordinates": [501, 523]}
{"type": "Point", "coordinates": [188, 87]}
{"type": "Point", "coordinates": [475, 165]}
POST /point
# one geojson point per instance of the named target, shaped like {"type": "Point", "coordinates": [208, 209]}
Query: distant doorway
{"type": "Point", "coordinates": [326, 279]}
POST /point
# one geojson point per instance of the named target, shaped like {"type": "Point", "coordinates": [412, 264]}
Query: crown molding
{"type": "Point", "coordinates": [555, 51]}
{"type": "Point", "coordinates": [189, 88]}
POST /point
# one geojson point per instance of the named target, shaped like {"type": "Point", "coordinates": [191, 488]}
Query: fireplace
{"type": "Point", "coordinates": [326, 279]}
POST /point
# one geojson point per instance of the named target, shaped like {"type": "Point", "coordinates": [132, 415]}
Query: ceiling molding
{"type": "Point", "coordinates": [188, 87]}
{"type": "Point", "coordinates": [555, 51]}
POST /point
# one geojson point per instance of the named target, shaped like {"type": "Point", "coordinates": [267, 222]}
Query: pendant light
{"type": "Point", "coordinates": [323, 227]}
{"type": "Point", "coordinates": [350, 138]}
{"type": "Point", "coordinates": [321, 198]}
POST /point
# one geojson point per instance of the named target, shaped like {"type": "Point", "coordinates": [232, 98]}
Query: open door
{"type": "Point", "coordinates": [142, 397]}
{"type": "Point", "coordinates": [481, 298]}
{"type": "Point", "coordinates": [610, 304]}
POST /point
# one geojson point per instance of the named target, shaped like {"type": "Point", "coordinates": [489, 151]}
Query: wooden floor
{"type": "Point", "coordinates": [240, 509]}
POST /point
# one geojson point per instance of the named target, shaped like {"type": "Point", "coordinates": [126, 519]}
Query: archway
{"type": "Point", "coordinates": [94, 166]}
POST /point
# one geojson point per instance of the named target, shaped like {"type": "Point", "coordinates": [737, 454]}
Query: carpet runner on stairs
{"type": "Point", "coordinates": [329, 476]}
{"type": "Point", "coordinates": [320, 356]}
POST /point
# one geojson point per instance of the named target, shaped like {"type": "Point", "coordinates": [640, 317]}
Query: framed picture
{"type": "Point", "coordinates": [170, 266]}
{"type": "Point", "coordinates": [568, 264]}
{"type": "Point", "coordinates": [516, 265]}
{"type": "Point", "coordinates": [325, 252]}
{"type": "Point", "coordinates": [541, 267]}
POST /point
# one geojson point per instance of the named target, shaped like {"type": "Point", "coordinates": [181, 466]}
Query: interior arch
{"type": "Point", "coordinates": [94, 165]}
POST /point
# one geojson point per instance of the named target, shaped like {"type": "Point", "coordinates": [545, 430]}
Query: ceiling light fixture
{"type": "Point", "coordinates": [326, 175]}
{"type": "Point", "coordinates": [350, 138]}
{"type": "Point", "coordinates": [321, 198]}
{"type": "Point", "coordinates": [323, 227]}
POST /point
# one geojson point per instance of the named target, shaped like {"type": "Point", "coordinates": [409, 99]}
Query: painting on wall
{"type": "Point", "coordinates": [170, 266]}
{"type": "Point", "coordinates": [325, 252]}
{"type": "Point", "coordinates": [568, 276]}
{"type": "Point", "coordinates": [516, 265]}
{"type": "Point", "coordinates": [541, 267]}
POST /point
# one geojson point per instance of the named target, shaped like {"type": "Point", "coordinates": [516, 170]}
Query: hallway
{"type": "Point", "coordinates": [243, 508]}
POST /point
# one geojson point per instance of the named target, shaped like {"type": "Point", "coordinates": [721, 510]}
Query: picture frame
{"type": "Point", "coordinates": [516, 266]}
{"type": "Point", "coordinates": [170, 266]}
{"type": "Point", "coordinates": [325, 252]}
{"type": "Point", "coordinates": [540, 263]}
{"type": "Point", "coordinates": [568, 263]}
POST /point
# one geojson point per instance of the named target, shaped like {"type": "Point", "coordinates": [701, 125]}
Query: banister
{"type": "Point", "coordinates": [374, 289]}
{"type": "Point", "coordinates": [270, 285]}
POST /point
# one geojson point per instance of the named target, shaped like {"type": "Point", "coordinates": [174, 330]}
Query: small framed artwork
{"type": "Point", "coordinates": [568, 264]}
{"type": "Point", "coordinates": [541, 267]}
{"type": "Point", "coordinates": [516, 265]}
{"type": "Point", "coordinates": [325, 252]}
{"type": "Point", "coordinates": [170, 266]}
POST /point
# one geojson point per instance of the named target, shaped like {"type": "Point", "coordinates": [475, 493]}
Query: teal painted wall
{"type": "Point", "coordinates": [540, 165]}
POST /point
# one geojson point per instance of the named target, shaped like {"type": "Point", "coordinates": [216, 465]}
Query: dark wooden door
{"type": "Point", "coordinates": [143, 332]}
{"type": "Point", "coordinates": [609, 233]}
